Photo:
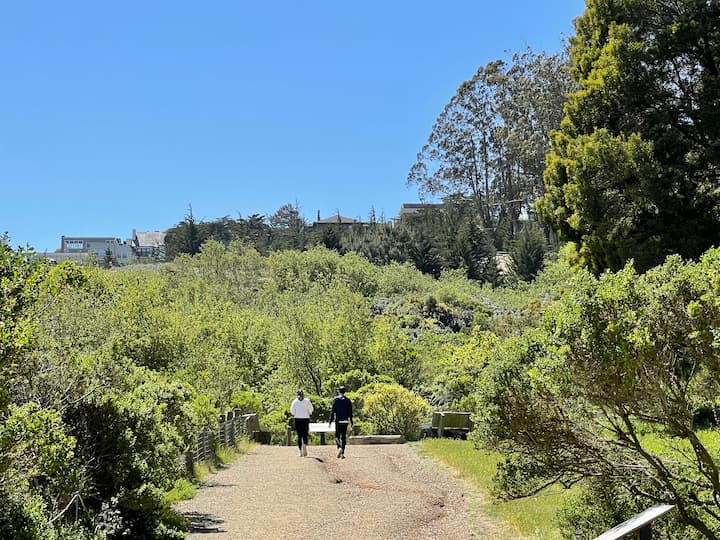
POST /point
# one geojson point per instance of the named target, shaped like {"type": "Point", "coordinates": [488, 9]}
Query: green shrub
{"type": "Point", "coordinates": [131, 437]}
{"type": "Point", "coordinates": [247, 401]}
{"type": "Point", "coordinates": [22, 517]}
{"type": "Point", "coordinates": [353, 380]}
{"type": "Point", "coordinates": [598, 506]}
{"type": "Point", "coordinates": [392, 409]}
{"type": "Point", "coordinates": [277, 423]}
{"type": "Point", "coordinates": [528, 252]}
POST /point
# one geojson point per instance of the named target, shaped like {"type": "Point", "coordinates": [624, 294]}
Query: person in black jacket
{"type": "Point", "coordinates": [341, 413]}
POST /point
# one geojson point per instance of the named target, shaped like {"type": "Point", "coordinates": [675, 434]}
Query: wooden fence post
{"type": "Point", "coordinates": [231, 427]}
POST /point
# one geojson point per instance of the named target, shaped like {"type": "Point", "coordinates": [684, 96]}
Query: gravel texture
{"type": "Point", "coordinates": [378, 492]}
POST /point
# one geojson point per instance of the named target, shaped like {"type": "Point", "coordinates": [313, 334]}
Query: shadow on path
{"type": "Point", "coordinates": [204, 523]}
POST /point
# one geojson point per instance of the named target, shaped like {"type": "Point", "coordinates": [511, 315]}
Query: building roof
{"type": "Point", "coordinates": [413, 208]}
{"type": "Point", "coordinates": [338, 219]}
{"type": "Point", "coordinates": [91, 238]}
{"type": "Point", "coordinates": [149, 238]}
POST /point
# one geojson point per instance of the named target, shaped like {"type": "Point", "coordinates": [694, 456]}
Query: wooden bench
{"type": "Point", "coordinates": [256, 432]}
{"type": "Point", "coordinates": [315, 427]}
{"type": "Point", "coordinates": [453, 423]}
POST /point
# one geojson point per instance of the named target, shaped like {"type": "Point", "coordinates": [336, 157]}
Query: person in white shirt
{"type": "Point", "coordinates": [301, 409]}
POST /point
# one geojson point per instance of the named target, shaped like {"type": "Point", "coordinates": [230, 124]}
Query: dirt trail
{"type": "Point", "coordinates": [378, 492]}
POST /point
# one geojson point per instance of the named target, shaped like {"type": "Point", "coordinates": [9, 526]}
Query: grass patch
{"type": "Point", "coordinates": [223, 456]}
{"type": "Point", "coordinates": [531, 517]}
{"type": "Point", "coordinates": [201, 471]}
{"type": "Point", "coordinates": [226, 455]}
{"type": "Point", "coordinates": [182, 490]}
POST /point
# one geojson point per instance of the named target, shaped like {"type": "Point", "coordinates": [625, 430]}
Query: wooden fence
{"type": "Point", "coordinates": [231, 427]}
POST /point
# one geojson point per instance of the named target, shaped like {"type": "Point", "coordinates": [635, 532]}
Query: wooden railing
{"type": "Point", "coordinates": [231, 427]}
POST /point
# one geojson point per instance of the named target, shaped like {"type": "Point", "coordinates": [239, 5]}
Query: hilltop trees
{"type": "Point", "coordinates": [185, 237]}
{"type": "Point", "coordinates": [434, 240]}
{"type": "Point", "coordinates": [287, 225]}
{"type": "Point", "coordinates": [633, 172]}
{"type": "Point", "coordinates": [489, 142]}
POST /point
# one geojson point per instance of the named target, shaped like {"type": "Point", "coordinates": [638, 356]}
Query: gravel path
{"type": "Point", "coordinates": [378, 492]}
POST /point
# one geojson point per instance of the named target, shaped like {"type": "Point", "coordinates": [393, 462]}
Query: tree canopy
{"type": "Point", "coordinates": [634, 170]}
{"type": "Point", "coordinates": [489, 142]}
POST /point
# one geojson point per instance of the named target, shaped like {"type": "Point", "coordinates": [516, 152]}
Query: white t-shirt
{"type": "Point", "coordinates": [301, 408]}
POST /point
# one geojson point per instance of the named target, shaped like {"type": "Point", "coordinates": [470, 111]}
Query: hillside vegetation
{"type": "Point", "coordinates": [597, 368]}
{"type": "Point", "coordinates": [108, 375]}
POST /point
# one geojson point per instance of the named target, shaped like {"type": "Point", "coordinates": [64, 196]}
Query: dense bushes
{"type": "Point", "coordinates": [607, 386]}
{"type": "Point", "coordinates": [392, 409]}
{"type": "Point", "coordinates": [123, 367]}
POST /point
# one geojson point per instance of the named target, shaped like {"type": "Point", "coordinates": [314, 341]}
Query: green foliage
{"type": "Point", "coordinates": [379, 243]}
{"type": "Point", "coordinates": [247, 401]}
{"type": "Point", "coordinates": [185, 237]}
{"type": "Point", "coordinates": [608, 197]}
{"type": "Point", "coordinates": [476, 251]}
{"type": "Point", "coordinates": [391, 354]}
{"type": "Point", "coordinates": [32, 441]}
{"type": "Point", "coordinates": [598, 506]}
{"type": "Point", "coordinates": [457, 369]}
{"type": "Point", "coordinates": [181, 490]}
{"type": "Point", "coordinates": [322, 333]}
{"type": "Point", "coordinates": [392, 409]}
{"type": "Point", "coordinates": [33, 444]}
{"type": "Point", "coordinates": [23, 517]}
{"type": "Point", "coordinates": [355, 379]}
{"type": "Point", "coordinates": [608, 385]}
{"type": "Point", "coordinates": [20, 279]}
{"type": "Point", "coordinates": [528, 252]}
{"type": "Point", "coordinates": [632, 173]}
{"type": "Point", "coordinates": [109, 375]}
{"type": "Point", "coordinates": [398, 279]}
{"type": "Point", "coordinates": [131, 436]}
{"type": "Point", "coordinates": [292, 270]}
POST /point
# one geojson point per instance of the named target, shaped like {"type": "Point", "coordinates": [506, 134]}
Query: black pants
{"type": "Point", "coordinates": [341, 434]}
{"type": "Point", "coordinates": [302, 425]}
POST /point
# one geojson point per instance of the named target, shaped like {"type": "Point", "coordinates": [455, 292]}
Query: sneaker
{"type": "Point", "coordinates": [343, 454]}
{"type": "Point", "coordinates": [300, 454]}
{"type": "Point", "coordinates": [340, 452]}
{"type": "Point", "coordinates": [304, 450]}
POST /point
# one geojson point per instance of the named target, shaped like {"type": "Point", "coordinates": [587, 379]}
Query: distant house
{"type": "Point", "coordinates": [148, 245]}
{"type": "Point", "coordinates": [80, 247]}
{"type": "Point", "coordinates": [337, 221]}
{"type": "Point", "coordinates": [142, 246]}
{"type": "Point", "coordinates": [410, 210]}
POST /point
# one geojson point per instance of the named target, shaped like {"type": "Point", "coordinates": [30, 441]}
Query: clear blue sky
{"type": "Point", "coordinates": [118, 115]}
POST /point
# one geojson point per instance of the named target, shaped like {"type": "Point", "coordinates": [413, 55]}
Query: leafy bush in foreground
{"type": "Point", "coordinates": [392, 409]}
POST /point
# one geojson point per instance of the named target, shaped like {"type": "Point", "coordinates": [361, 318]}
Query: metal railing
{"type": "Point", "coordinates": [231, 427]}
{"type": "Point", "coordinates": [640, 524]}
